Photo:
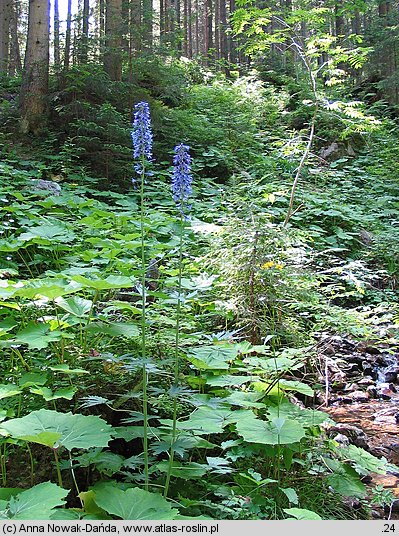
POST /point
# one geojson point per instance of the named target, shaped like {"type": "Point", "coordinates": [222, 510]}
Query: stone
{"type": "Point", "coordinates": [391, 376]}
{"type": "Point", "coordinates": [360, 396]}
{"type": "Point", "coordinates": [372, 391]}
{"type": "Point", "coordinates": [367, 380]}
{"type": "Point", "coordinates": [342, 439]}
{"type": "Point", "coordinates": [367, 367]}
{"type": "Point", "coordinates": [50, 186]}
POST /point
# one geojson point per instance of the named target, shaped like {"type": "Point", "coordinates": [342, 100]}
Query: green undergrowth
{"type": "Point", "coordinates": [248, 442]}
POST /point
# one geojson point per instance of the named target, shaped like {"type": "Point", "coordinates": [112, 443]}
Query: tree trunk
{"type": "Point", "coordinates": [84, 43]}
{"type": "Point", "coordinates": [5, 11]}
{"type": "Point", "coordinates": [34, 87]}
{"type": "Point", "coordinates": [56, 36]}
{"type": "Point", "coordinates": [147, 23]}
{"type": "Point", "coordinates": [339, 20]}
{"type": "Point", "coordinates": [189, 29]}
{"type": "Point", "coordinates": [223, 28]}
{"type": "Point", "coordinates": [15, 63]}
{"type": "Point", "coordinates": [113, 39]}
{"type": "Point", "coordinates": [68, 37]}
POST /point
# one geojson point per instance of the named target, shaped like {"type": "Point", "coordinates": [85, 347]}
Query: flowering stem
{"type": "Point", "coordinates": [176, 364]}
{"type": "Point", "coordinates": [143, 326]}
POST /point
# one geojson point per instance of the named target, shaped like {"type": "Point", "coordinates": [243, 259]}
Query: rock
{"type": "Point", "coordinates": [342, 439]}
{"type": "Point", "coordinates": [328, 151]}
{"type": "Point", "coordinates": [394, 507]}
{"type": "Point", "coordinates": [355, 435]}
{"type": "Point", "coordinates": [372, 391]}
{"type": "Point", "coordinates": [374, 350]}
{"type": "Point", "coordinates": [386, 390]}
{"type": "Point", "coordinates": [360, 396]}
{"type": "Point", "coordinates": [350, 387]}
{"type": "Point", "coordinates": [375, 514]}
{"type": "Point", "coordinates": [365, 237]}
{"type": "Point", "coordinates": [367, 380]}
{"type": "Point", "coordinates": [391, 377]}
{"type": "Point", "coordinates": [367, 368]}
{"type": "Point", "coordinates": [50, 186]}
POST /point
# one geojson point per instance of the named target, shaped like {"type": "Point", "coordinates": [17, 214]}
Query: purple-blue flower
{"type": "Point", "coordinates": [142, 133]}
{"type": "Point", "coordinates": [181, 175]}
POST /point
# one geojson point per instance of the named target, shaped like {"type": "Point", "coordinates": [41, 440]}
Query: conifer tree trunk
{"type": "Point", "coordinates": [68, 37]}
{"type": "Point", "coordinates": [56, 35]}
{"type": "Point", "coordinates": [84, 49]}
{"type": "Point", "coordinates": [34, 87]}
{"type": "Point", "coordinates": [113, 39]}
{"type": "Point", "coordinates": [147, 22]}
{"type": "Point", "coordinates": [15, 63]}
{"type": "Point", "coordinates": [223, 28]}
{"type": "Point", "coordinates": [189, 28]}
{"type": "Point", "coordinates": [5, 9]}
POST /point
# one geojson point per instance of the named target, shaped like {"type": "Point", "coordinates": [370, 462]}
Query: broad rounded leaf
{"type": "Point", "coordinates": [302, 513]}
{"type": "Point", "coordinates": [134, 503]}
{"type": "Point", "coordinates": [75, 305]}
{"type": "Point", "coordinates": [273, 432]}
{"type": "Point", "coordinates": [37, 335]}
{"type": "Point", "coordinates": [74, 431]}
{"type": "Point", "coordinates": [37, 502]}
{"type": "Point", "coordinates": [9, 390]}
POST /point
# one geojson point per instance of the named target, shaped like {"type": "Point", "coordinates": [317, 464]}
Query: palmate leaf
{"type": "Point", "coordinates": [345, 480]}
{"type": "Point", "coordinates": [37, 336]}
{"type": "Point", "coordinates": [209, 421]}
{"type": "Point", "coordinates": [75, 305]}
{"type": "Point", "coordinates": [37, 502]}
{"type": "Point", "coordinates": [214, 357]}
{"type": "Point", "coordinates": [112, 281]}
{"type": "Point", "coordinates": [302, 513]}
{"type": "Point", "coordinates": [306, 417]}
{"type": "Point", "coordinates": [9, 390]}
{"type": "Point", "coordinates": [133, 503]}
{"type": "Point", "coordinates": [55, 429]}
{"type": "Point", "coordinates": [278, 430]}
{"type": "Point", "coordinates": [186, 471]}
{"type": "Point", "coordinates": [114, 329]}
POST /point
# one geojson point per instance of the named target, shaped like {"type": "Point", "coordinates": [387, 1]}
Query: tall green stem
{"type": "Point", "coordinates": [176, 364]}
{"type": "Point", "coordinates": [143, 326]}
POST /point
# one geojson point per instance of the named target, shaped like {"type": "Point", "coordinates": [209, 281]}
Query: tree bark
{"type": "Point", "coordinates": [147, 22]}
{"type": "Point", "coordinates": [5, 11]}
{"type": "Point", "coordinates": [68, 37]}
{"type": "Point", "coordinates": [84, 43]}
{"type": "Point", "coordinates": [34, 87]}
{"type": "Point", "coordinates": [56, 35]}
{"type": "Point", "coordinates": [113, 40]}
{"type": "Point", "coordinates": [15, 63]}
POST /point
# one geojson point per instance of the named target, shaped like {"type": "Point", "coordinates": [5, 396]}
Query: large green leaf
{"type": "Point", "coordinates": [345, 480]}
{"type": "Point", "coordinates": [214, 357]}
{"type": "Point", "coordinates": [55, 429]}
{"type": "Point", "coordinates": [208, 420]}
{"type": "Point", "coordinates": [9, 389]}
{"type": "Point", "coordinates": [75, 305]}
{"type": "Point", "coordinates": [48, 395]}
{"type": "Point", "coordinates": [37, 502]}
{"type": "Point", "coordinates": [306, 417]}
{"type": "Point", "coordinates": [278, 430]}
{"type": "Point", "coordinates": [302, 513]}
{"type": "Point", "coordinates": [112, 281]}
{"type": "Point", "coordinates": [114, 329]}
{"type": "Point", "coordinates": [186, 471]}
{"type": "Point", "coordinates": [48, 233]}
{"type": "Point", "coordinates": [37, 335]}
{"type": "Point", "coordinates": [132, 504]}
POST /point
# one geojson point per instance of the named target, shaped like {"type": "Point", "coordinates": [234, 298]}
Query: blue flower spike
{"type": "Point", "coordinates": [181, 176]}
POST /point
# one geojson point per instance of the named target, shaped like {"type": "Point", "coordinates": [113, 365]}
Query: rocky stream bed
{"type": "Point", "coordinates": [362, 396]}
